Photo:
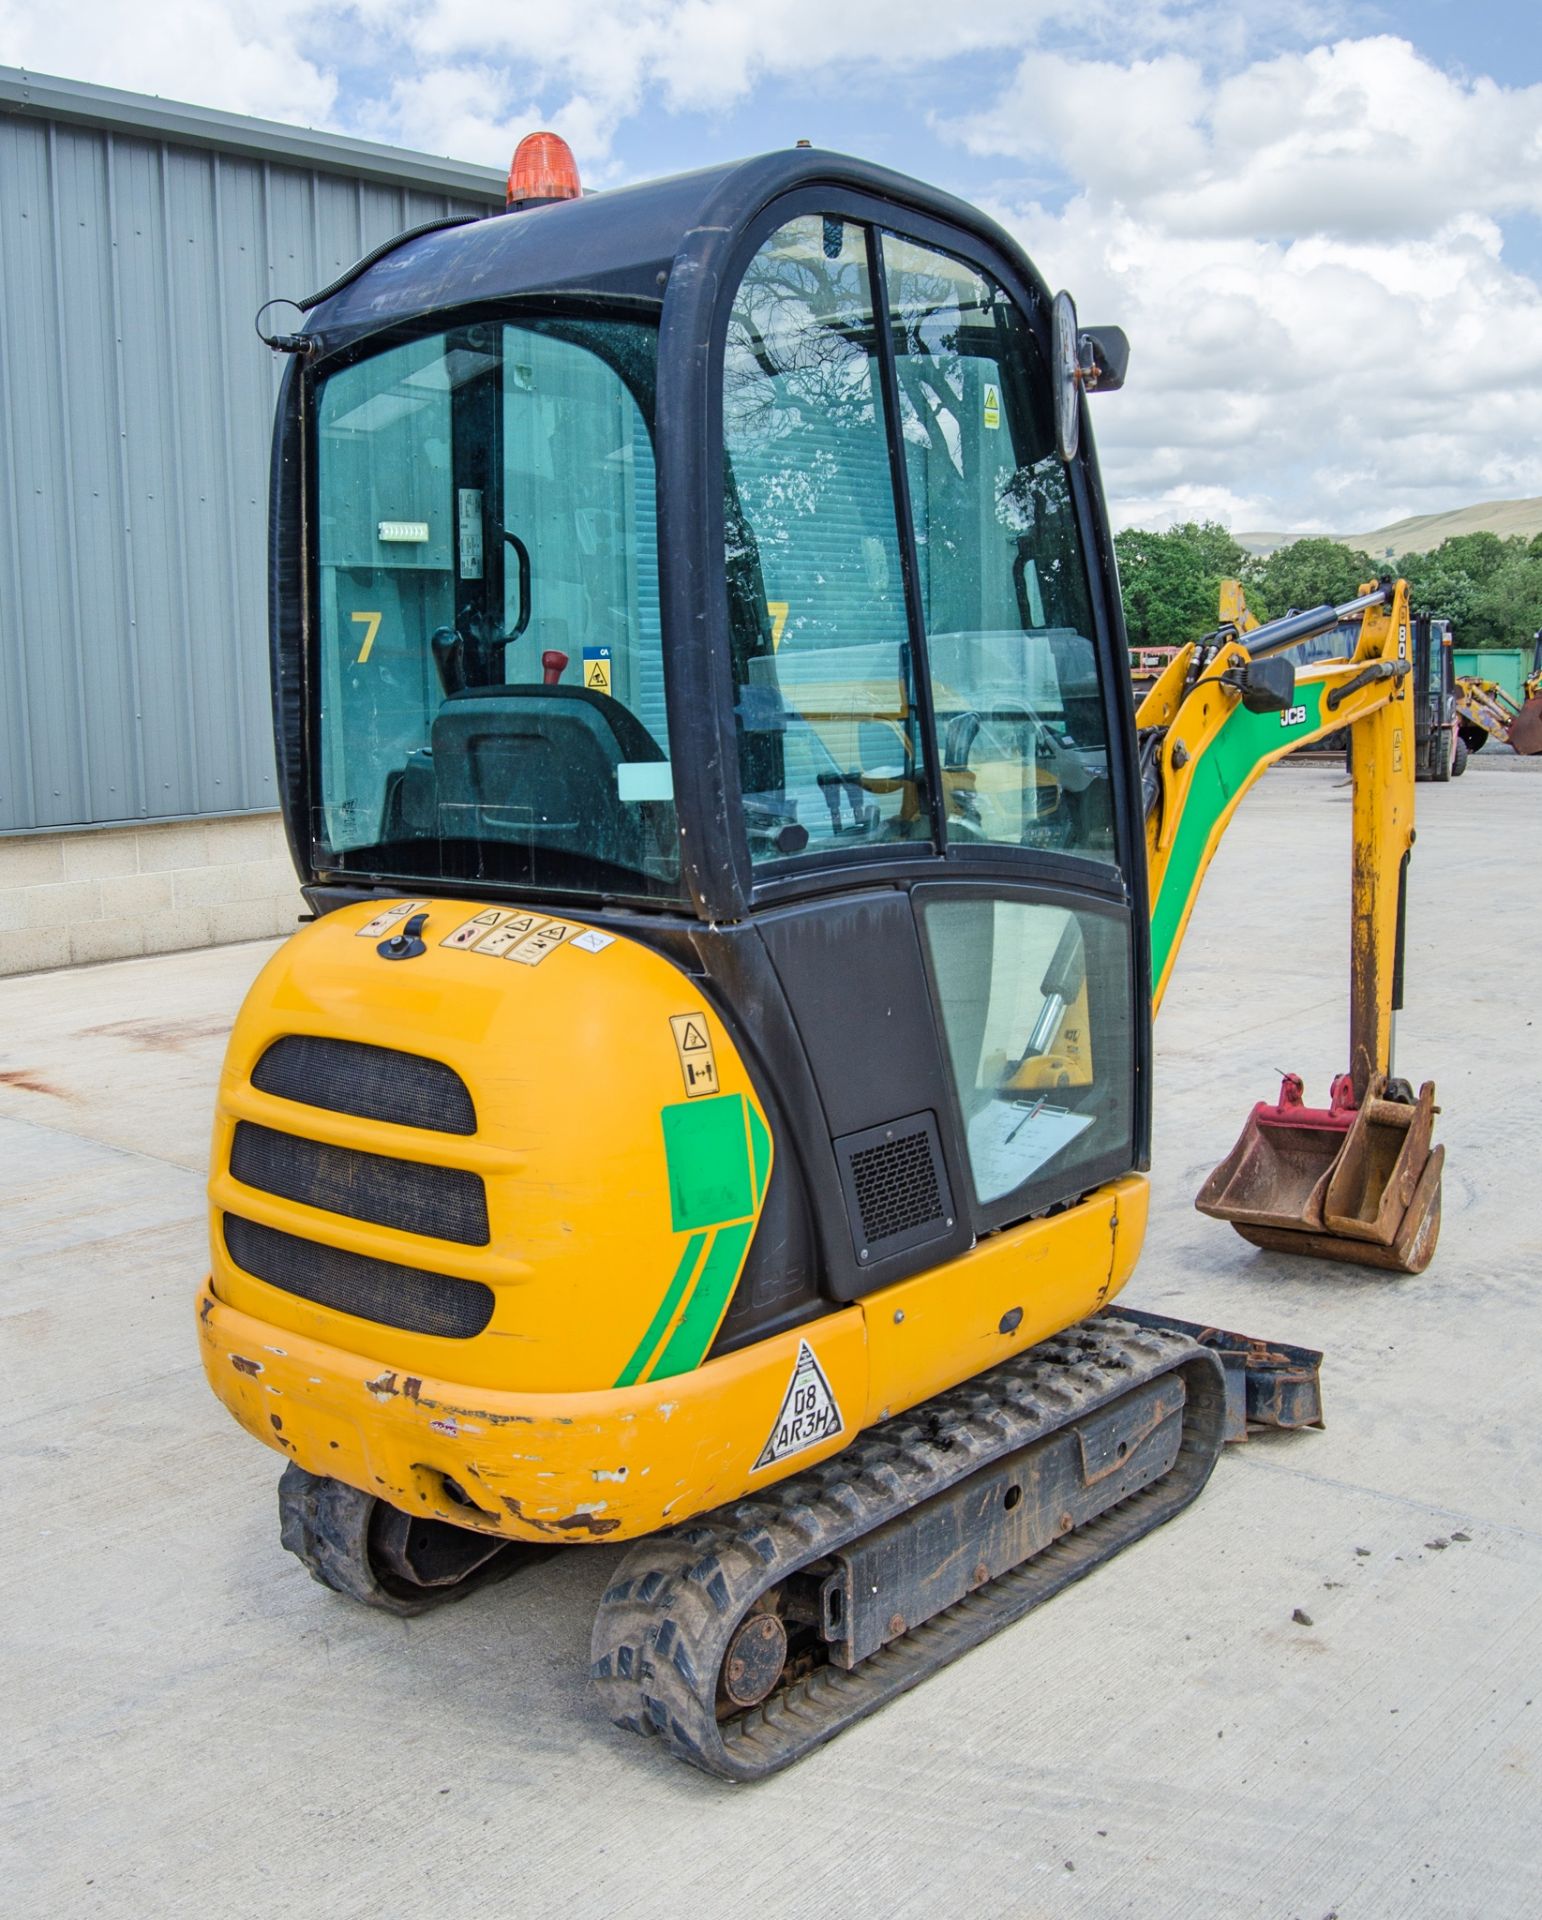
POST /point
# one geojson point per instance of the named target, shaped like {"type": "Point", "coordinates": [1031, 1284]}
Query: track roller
{"type": "Point", "coordinates": [400, 1562]}
{"type": "Point", "coordinates": [759, 1631]}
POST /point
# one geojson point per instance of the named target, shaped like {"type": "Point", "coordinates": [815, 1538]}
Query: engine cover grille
{"type": "Point", "coordinates": [378, 1290]}
{"type": "Point", "coordinates": [372, 1083]}
{"type": "Point", "coordinates": [446, 1203]}
{"type": "Point", "coordinates": [896, 1186]}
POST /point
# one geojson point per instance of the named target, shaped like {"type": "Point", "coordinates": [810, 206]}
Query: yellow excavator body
{"type": "Point", "coordinates": [622, 1191]}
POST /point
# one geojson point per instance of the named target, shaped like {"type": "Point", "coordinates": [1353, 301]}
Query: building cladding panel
{"type": "Point", "coordinates": [137, 241]}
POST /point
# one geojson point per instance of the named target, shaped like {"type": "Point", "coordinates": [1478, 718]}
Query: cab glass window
{"type": "Point", "coordinates": [1035, 1003]}
{"type": "Point", "coordinates": [489, 674]}
{"type": "Point", "coordinates": [1020, 716]}
{"type": "Point", "coordinates": [829, 746]}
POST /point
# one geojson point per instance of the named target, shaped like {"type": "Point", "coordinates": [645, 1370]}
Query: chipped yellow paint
{"type": "Point", "coordinates": [569, 1065]}
{"type": "Point", "coordinates": [618, 1463]}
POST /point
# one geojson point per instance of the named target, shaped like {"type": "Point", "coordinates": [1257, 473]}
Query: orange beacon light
{"type": "Point", "coordinates": [543, 169]}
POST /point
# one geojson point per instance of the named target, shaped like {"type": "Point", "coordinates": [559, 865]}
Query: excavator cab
{"type": "Point", "coordinates": [800, 643]}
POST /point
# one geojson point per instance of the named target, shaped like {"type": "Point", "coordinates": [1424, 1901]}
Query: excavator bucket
{"type": "Point", "coordinates": [1360, 1184]}
{"type": "Point", "coordinates": [1525, 733]}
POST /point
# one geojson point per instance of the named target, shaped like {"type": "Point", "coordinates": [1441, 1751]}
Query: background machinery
{"type": "Point", "coordinates": [1486, 712]}
{"type": "Point", "coordinates": [709, 1108]}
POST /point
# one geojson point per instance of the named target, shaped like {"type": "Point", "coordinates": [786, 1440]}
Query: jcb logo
{"type": "Point", "coordinates": [1293, 716]}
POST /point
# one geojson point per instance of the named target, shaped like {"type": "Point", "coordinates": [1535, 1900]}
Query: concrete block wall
{"type": "Point", "coordinates": [69, 898]}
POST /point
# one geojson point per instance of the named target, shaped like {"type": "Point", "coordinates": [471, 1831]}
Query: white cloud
{"type": "Point", "coordinates": [1309, 260]}
{"type": "Point", "coordinates": [243, 56]}
{"type": "Point", "coordinates": [1364, 137]}
{"type": "Point", "coordinates": [1306, 249]}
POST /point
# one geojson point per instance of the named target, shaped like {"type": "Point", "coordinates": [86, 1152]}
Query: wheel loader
{"type": "Point", "coordinates": [708, 1109]}
{"type": "Point", "coordinates": [1485, 711]}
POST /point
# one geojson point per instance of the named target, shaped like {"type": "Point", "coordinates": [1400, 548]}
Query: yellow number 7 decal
{"type": "Point", "coordinates": [371, 625]}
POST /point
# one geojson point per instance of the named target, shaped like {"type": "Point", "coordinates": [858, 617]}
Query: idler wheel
{"type": "Point", "coordinates": [753, 1664]}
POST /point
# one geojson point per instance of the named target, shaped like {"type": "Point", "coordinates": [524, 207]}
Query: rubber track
{"type": "Point", "coordinates": [326, 1526]}
{"type": "Point", "coordinates": [664, 1623]}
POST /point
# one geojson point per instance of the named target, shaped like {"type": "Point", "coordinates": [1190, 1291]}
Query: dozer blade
{"type": "Point", "coordinates": [1356, 1185]}
{"type": "Point", "coordinates": [1525, 733]}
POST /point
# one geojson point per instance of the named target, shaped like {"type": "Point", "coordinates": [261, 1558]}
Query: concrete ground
{"type": "Point", "coordinates": [194, 1728]}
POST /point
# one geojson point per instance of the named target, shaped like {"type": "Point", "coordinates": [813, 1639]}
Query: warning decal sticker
{"type": "Point", "coordinates": [808, 1412]}
{"type": "Point", "coordinates": [698, 1063]}
{"type": "Point", "coordinates": [992, 407]}
{"type": "Point", "coordinates": [597, 669]}
{"type": "Point", "coordinates": [535, 946]}
{"type": "Point", "coordinates": [469, 932]}
{"type": "Point", "coordinates": [497, 943]}
{"type": "Point", "coordinates": [383, 922]}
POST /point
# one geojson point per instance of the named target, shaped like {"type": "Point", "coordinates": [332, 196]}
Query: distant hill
{"type": "Point", "coordinates": [1422, 531]}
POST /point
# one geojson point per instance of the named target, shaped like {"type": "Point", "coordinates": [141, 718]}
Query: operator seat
{"type": "Point", "coordinates": [536, 765]}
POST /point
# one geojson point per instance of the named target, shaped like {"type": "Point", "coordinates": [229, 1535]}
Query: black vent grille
{"type": "Point", "coordinates": [378, 1290]}
{"type": "Point", "coordinates": [447, 1203]}
{"type": "Point", "coordinates": [372, 1083]}
{"type": "Point", "coordinates": [896, 1186]}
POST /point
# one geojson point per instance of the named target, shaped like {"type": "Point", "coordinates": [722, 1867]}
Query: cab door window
{"type": "Point", "coordinates": [830, 755]}
{"type": "Point", "coordinates": [1034, 998]}
{"type": "Point", "coordinates": [1005, 601]}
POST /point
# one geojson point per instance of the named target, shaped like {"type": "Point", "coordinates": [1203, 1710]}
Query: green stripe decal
{"type": "Point", "coordinates": [760, 1144]}
{"type": "Point", "coordinates": [633, 1368]}
{"type": "Point", "coordinates": [699, 1322]}
{"type": "Point", "coordinates": [1242, 748]}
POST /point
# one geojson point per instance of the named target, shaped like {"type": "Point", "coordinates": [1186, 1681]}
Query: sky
{"type": "Point", "coordinates": [1319, 223]}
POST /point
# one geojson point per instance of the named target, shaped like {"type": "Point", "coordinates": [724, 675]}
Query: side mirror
{"type": "Point", "coordinates": [1086, 360]}
{"type": "Point", "coordinates": [1066, 353]}
{"type": "Point", "coordinates": [1266, 686]}
{"type": "Point", "coordinates": [1105, 359]}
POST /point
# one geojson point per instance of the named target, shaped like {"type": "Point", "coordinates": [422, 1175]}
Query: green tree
{"type": "Point", "coordinates": [1170, 582]}
{"type": "Point", "coordinates": [1479, 555]}
{"type": "Point", "coordinates": [1310, 572]}
{"type": "Point", "coordinates": [1438, 585]}
{"type": "Point", "coordinates": [1489, 589]}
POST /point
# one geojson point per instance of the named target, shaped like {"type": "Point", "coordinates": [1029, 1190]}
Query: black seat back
{"type": "Point", "coordinates": [536, 765]}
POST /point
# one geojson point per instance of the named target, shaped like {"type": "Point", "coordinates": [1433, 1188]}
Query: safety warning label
{"type": "Point", "coordinates": [535, 946]}
{"type": "Point", "coordinates": [597, 669]}
{"type": "Point", "coordinates": [513, 929]}
{"type": "Point", "coordinates": [392, 916]}
{"type": "Point", "coordinates": [469, 932]}
{"type": "Point", "coordinates": [992, 407]}
{"type": "Point", "coordinates": [693, 1043]}
{"type": "Point", "coordinates": [808, 1412]}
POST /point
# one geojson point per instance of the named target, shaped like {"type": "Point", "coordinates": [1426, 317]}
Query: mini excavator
{"type": "Point", "coordinates": [707, 1111]}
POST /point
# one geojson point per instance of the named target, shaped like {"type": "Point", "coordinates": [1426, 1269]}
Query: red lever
{"type": "Point", "coordinates": [553, 666]}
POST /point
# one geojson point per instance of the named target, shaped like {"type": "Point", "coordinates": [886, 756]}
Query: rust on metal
{"type": "Point", "coordinates": [1358, 1184]}
{"type": "Point", "coordinates": [753, 1664]}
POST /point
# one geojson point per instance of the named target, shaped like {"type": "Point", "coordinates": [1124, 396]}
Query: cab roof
{"type": "Point", "coordinates": [623, 242]}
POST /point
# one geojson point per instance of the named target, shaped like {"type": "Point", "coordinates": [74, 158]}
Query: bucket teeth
{"type": "Point", "coordinates": [1303, 1181]}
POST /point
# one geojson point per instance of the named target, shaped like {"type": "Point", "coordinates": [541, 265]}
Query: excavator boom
{"type": "Point", "coordinates": [1224, 711]}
